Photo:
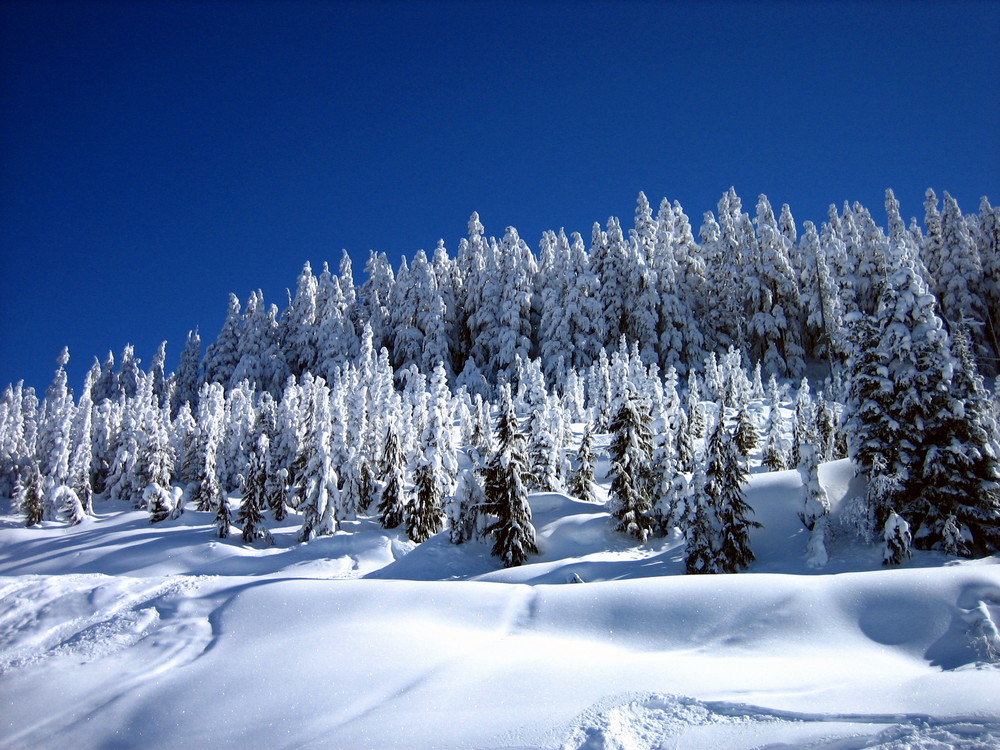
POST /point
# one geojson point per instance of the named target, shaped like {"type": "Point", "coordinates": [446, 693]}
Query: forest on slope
{"type": "Point", "coordinates": [358, 400]}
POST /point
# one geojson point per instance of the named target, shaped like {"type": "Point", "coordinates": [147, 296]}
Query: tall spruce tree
{"type": "Point", "coordinates": [251, 516]}
{"type": "Point", "coordinates": [581, 483]}
{"type": "Point", "coordinates": [505, 496]}
{"type": "Point", "coordinates": [631, 454]}
{"type": "Point", "coordinates": [391, 506]}
{"type": "Point", "coordinates": [725, 475]}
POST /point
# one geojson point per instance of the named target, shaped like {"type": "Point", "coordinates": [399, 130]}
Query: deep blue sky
{"type": "Point", "coordinates": [156, 156]}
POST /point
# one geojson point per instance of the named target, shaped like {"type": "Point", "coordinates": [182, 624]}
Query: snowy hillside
{"type": "Point", "coordinates": [498, 500]}
{"type": "Point", "coordinates": [116, 633]}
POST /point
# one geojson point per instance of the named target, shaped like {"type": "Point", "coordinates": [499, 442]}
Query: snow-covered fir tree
{"type": "Point", "coordinates": [581, 482]}
{"type": "Point", "coordinates": [725, 474]}
{"type": "Point", "coordinates": [775, 455]}
{"type": "Point", "coordinates": [896, 540]}
{"type": "Point", "coordinates": [391, 505]}
{"type": "Point", "coordinates": [251, 515]}
{"type": "Point", "coordinates": [465, 507]}
{"type": "Point", "coordinates": [506, 499]}
{"type": "Point", "coordinates": [631, 454]}
{"type": "Point", "coordinates": [29, 493]}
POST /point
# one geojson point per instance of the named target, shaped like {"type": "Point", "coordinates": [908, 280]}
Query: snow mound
{"type": "Point", "coordinates": [645, 722]}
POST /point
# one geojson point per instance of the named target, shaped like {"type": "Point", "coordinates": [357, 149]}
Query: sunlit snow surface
{"type": "Point", "coordinates": [119, 634]}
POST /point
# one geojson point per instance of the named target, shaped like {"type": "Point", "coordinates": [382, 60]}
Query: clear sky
{"type": "Point", "coordinates": [155, 156]}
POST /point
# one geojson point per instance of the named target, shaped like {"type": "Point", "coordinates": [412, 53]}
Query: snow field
{"type": "Point", "coordinates": [116, 633]}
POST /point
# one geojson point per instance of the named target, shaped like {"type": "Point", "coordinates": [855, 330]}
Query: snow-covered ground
{"type": "Point", "coordinates": [119, 634]}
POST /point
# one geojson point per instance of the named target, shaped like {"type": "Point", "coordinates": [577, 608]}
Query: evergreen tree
{"type": "Point", "coordinates": [897, 540]}
{"type": "Point", "coordinates": [581, 483]}
{"type": "Point", "coordinates": [725, 474]}
{"type": "Point", "coordinates": [189, 375]}
{"type": "Point", "coordinates": [631, 452]}
{"type": "Point", "coordinates": [775, 457]}
{"type": "Point", "coordinates": [82, 453]}
{"type": "Point", "coordinates": [211, 412]}
{"type": "Point", "coordinates": [223, 517]}
{"type": "Point", "coordinates": [29, 494]}
{"type": "Point", "coordinates": [391, 507]}
{"type": "Point", "coordinates": [221, 357]}
{"type": "Point", "coordinates": [696, 415]}
{"type": "Point", "coordinates": [158, 502]}
{"type": "Point", "coordinates": [826, 430]}
{"type": "Point", "coordinates": [701, 539]}
{"type": "Point", "coordinates": [543, 453]}
{"type": "Point", "coordinates": [670, 486]}
{"type": "Point", "coordinates": [505, 496]}
{"type": "Point", "coordinates": [960, 474]}
{"type": "Point", "coordinates": [464, 508]}
{"type": "Point", "coordinates": [255, 492]}
{"type": "Point", "coordinates": [425, 513]}
{"type": "Point", "coordinates": [869, 432]}
{"type": "Point", "coordinates": [816, 508]}
{"type": "Point", "coordinates": [774, 299]}
{"type": "Point", "coordinates": [804, 426]}
{"type": "Point", "coordinates": [320, 494]}
{"type": "Point", "coordinates": [746, 431]}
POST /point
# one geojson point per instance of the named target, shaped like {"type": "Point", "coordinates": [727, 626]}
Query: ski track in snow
{"type": "Point", "coordinates": [653, 721]}
{"type": "Point", "coordinates": [81, 617]}
{"type": "Point", "coordinates": [71, 620]}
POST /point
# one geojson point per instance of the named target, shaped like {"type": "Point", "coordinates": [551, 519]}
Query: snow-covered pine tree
{"type": "Point", "coordinates": [357, 485]}
{"type": "Point", "coordinates": [896, 539]}
{"type": "Point", "coordinates": [745, 433]}
{"type": "Point", "coordinates": [298, 325]}
{"type": "Point", "coordinates": [669, 487]}
{"type": "Point", "coordinates": [464, 508]}
{"type": "Point", "coordinates": [698, 523]}
{"type": "Point", "coordinates": [684, 443]}
{"type": "Point", "coordinates": [55, 430]}
{"type": "Point", "coordinates": [543, 461]}
{"type": "Point", "coordinates": [631, 453]}
{"type": "Point", "coordinates": [237, 432]}
{"type": "Point", "coordinates": [425, 513]}
{"type": "Point", "coordinates": [188, 377]}
{"type": "Point", "coordinates": [826, 429]}
{"type": "Point", "coordinates": [82, 452]}
{"type": "Point", "coordinates": [581, 483]}
{"type": "Point", "coordinates": [600, 392]}
{"type": "Point", "coordinates": [29, 493]}
{"type": "Point", "coordinates": [960, 474]}
{"type": "Point", "coordinates": [695, 413]}
{"type": "Point", "coordinates": [211, 412]}
{"type": "Point", "coordinates": [505, 496]}
{"type": "Point", "coordinates": [158, 503]}
{"type": "Point", "coordinates": [251, 516]}
{"type": "Point", "coordinates": [223, 517]}
{"type": "Point", "coordinates": [320, 492]}
{"type": "Point", "coordinates": [816, 507]}
{"type": "Point", "coordinates": [775, 457]}
{"type": "Point", "coordinates": [869, 432]}
{"type": "Point", "coordinates": [775, 304]}
{"type": "Point", "coordinates": [155, 465]}
{"type": "Point", "coordinates": [804, 424]}
{"type": "Point", "coordinates": [725, 475]}
{"type": "Point", "coordinates": [391, 507]}
{"type": "Point", "coordinates": [581, 324]}
{"type": "Point", "coordinates": [961, 278]}
{"type": "Point", "coordinates": [221, 356]}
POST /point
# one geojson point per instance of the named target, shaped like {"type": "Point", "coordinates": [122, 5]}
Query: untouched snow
{"type": "Point", "coordinates": [119, 634]}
